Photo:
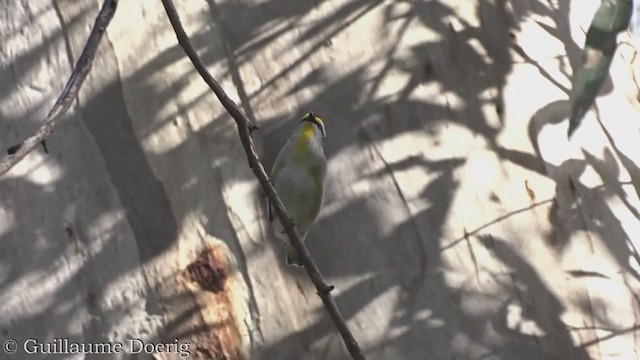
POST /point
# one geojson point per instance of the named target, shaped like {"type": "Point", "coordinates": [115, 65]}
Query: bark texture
{"type": "Point", "coordinates": [459, 222]}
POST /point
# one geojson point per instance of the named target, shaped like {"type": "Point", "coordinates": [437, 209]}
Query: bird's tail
{"type": "Point", "coordinates": [291, 253]}
{"type": "Point", "coordinates": [292, 256]}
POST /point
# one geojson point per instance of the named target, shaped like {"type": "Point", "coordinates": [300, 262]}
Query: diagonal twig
{"type": "Point", "coordinates": [245, 127]}
{"type": "Point", "coordinates": [17, 152]}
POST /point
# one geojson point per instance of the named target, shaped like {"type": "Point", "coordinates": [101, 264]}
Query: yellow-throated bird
{"type": "Point", "coordinates": [298, 175]}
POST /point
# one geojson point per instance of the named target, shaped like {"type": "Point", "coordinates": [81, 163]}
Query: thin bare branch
{"type": "Point", "coordinates": [17, 152]}
{"type": "Point", "coordinates": [245, 128]}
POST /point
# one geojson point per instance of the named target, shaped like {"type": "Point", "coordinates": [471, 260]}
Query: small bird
{"type": "Point", "coordinates": [298, 176]}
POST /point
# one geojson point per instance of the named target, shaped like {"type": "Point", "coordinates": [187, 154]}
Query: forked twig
{"type": "Point", "coordinates": [17, 152]}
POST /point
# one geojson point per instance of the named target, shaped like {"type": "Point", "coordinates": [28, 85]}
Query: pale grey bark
{"type": "Point", "coordinates": [458, 223]}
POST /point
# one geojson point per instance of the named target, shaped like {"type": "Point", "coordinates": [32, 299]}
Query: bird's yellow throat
{"type": "Point", "coordinates": [302, 145]}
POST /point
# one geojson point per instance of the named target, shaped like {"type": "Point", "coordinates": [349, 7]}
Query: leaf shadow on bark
{"type": "Point", "coordinates": [399, 267]}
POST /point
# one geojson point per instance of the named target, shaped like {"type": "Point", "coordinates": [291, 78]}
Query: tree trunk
{"type": "Point", "coordinates": [458, 222]}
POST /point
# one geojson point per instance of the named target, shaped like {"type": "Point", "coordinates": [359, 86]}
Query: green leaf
{"type": "Point", "coordinates": [612, 17]}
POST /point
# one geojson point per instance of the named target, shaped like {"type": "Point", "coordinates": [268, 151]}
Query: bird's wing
{"type": "Point", "coordinates": [318, 173]}
{"type": "Point", "coordinates": [277, 167]}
